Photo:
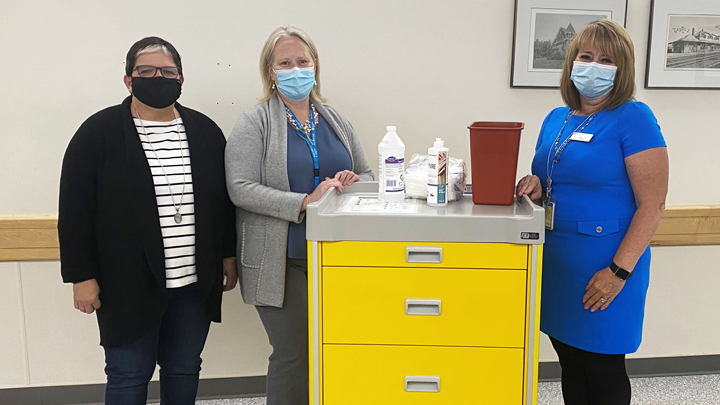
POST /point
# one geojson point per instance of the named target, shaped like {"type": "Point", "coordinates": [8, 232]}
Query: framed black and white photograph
{"type": "Point", "coordinates": [543, 31]}
{"type": "Point", "coordinates": [684, 45]}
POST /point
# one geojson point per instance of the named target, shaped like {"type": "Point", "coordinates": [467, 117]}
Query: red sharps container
{"type": "Point", "coordinates": [494, 148]}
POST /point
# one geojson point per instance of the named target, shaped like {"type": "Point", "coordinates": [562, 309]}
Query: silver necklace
{"type": "Point", "coordinates": [178, 215]}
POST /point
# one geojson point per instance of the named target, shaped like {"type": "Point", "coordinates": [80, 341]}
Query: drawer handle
{"type": "Point", "coordinates": [416, 306]}
{"type": "Point", "coordinates": [422, 383]}
{"type": "Point", "coordinates": [423, 254]}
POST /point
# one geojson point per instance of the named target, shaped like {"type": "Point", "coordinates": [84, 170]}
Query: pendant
{"type": "Point", "coordinates": [178, 218]}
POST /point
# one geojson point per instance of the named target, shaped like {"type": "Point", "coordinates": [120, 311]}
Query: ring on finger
{"type": "Point", "coordinates": [603, 300]}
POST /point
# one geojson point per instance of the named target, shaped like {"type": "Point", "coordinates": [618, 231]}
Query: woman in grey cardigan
{"type": "Point", "coordinates": [282, 155]}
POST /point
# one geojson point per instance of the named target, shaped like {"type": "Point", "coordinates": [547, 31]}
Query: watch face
{"type": "Point", "coordinates": [623, 274]}
{"type": "Point", "coordinates": [620, 272]}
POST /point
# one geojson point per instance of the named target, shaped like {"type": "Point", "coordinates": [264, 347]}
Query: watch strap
{"type": "Point", "coordinates": [620, 272]}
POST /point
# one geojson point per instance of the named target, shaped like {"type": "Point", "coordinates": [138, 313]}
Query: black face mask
{"type": "Point", "coordinates": [156, 92]}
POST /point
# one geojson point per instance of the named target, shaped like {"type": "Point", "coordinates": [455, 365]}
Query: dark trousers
{"type": "Point", "coordinates": [175, 345]}
{"type": "Point", "coordinates": [287, 330]}
{"type": "Point", "coordinates": [592, 378]}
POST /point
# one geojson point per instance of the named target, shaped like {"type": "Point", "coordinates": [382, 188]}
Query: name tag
{"type": "Point", "coordinates": [579, 136]}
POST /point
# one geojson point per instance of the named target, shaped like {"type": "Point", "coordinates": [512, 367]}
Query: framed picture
{"type": "Point", "coordinates": [543, 31]}
{"type": "Point", "coordinates": [684, 45]}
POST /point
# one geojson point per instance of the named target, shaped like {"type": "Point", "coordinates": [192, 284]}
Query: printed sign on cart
{"type": "Point", "coordinates": [374, 205]}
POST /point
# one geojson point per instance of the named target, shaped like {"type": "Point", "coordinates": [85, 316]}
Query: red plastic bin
{"type": "Point", "coordinates": [494, 148]}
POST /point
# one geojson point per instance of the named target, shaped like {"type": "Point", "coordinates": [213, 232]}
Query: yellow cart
{"type": "Point", "coordinates": [411, 304]}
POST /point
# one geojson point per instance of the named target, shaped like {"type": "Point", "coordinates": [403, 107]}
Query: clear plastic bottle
{"type": "Point", "coordinates": [437, 174]}
{"type": "Point", "coordinates": [391, 167]}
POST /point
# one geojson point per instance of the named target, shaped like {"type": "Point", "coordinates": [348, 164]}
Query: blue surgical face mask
{"type": "Point", "coordinates": [592, 79]}
{"type": "Point", "coordinates": [296, 83]}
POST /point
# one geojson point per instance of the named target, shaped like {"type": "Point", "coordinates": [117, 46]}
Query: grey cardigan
{"type": "Point", "coordinates": [257, 182]}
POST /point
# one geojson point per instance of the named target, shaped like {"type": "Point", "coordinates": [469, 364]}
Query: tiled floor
{"type": "Point", "coordinates": [690, 390]}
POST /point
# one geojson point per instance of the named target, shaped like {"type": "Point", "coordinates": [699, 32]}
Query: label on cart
{"type": "Point", "coordinates": [374, 205]}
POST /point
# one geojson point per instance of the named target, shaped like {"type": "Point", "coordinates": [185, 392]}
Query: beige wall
{"type": "Point", "coordinates": [429, 67]}
{"type": "Point", "coordinates": [679, 315]}
{"type": "Point", "coordinates": [45, 341]}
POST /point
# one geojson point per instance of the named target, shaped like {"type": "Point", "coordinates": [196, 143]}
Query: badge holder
{"type": "Point", "coordinates": [549, 206]}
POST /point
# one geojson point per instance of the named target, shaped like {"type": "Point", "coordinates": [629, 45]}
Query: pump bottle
{"type": "Point", "coordinates": [437, 174]}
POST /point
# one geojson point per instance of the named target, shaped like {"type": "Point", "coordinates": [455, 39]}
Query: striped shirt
{"type": "Point", "coordinates": [178, 239]}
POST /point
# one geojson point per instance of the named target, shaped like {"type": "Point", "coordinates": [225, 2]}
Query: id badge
{"type": "Point", "coordinates": [549, 206]}
{"type": "Point", "coordinates": [579, 136]}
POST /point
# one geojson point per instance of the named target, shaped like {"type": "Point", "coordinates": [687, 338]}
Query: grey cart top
{"type": "Point", "coordinates": [356, 215]}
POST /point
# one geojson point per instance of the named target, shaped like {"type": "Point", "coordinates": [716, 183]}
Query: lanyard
{"type": "Point", "coordinates": [310, 140]}
{"type": "Point", "coordinates": [559, 149]}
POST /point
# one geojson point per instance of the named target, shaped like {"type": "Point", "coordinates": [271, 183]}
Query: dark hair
{"type": "Point", "coordinates": [150, 42]}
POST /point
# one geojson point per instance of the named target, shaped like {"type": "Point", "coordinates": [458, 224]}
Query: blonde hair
{"type": "Point", "coordinates": [612, 40]}
{"type": "Point", "coordinates": [266, 59]}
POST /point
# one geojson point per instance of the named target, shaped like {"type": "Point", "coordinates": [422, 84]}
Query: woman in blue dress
{"type": "Point", "coordinates": [601, 171]}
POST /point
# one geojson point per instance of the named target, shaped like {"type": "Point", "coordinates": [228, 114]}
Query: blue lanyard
{"type": "Point", "coordinates": [311, 141]}
{"type": "Point", "coordinates": [560, 149]}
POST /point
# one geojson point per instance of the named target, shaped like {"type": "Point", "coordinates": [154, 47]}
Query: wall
{"type": "Point", "coordinates": [45, 341]}
{"type": "Point", "coordinates": [429, 67]}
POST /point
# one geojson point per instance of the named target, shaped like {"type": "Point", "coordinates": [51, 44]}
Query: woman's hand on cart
{"type": "Point", "coordinates": [530, 186]}
{"type": "Point", "coordinates": [346, 177]}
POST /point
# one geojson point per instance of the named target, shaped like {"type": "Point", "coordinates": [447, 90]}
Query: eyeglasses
{"type": "Point", "coordinates": [147, 71]}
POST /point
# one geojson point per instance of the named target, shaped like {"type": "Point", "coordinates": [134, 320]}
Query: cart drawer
{"type": "Point", "coordinates": [443, 307]}
{"type": "Point", "coordinates": [408, 254]}
{"type": "Point", "coordinates": [419, 375]}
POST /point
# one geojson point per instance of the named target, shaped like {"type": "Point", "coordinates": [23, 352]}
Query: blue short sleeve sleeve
{"type": "Point", "coordinates": [639, 129]}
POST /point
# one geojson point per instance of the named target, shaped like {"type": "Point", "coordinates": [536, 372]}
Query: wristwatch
{"type": "Point", "coordinates": [620, 272]}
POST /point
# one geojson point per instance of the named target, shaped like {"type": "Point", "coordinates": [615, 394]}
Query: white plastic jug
{"type": "Point", "coordinates": [391, 167]}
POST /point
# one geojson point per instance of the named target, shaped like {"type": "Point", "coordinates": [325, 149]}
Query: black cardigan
{"type": "Point", "coordinates": [109, 227]}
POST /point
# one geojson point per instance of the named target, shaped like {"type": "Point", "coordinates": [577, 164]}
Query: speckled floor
{"type": "Point", "coordinates": [690, 390]}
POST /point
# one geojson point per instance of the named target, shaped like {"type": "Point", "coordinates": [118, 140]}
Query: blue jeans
{"type": "Point", "coordinates": [175, 345]}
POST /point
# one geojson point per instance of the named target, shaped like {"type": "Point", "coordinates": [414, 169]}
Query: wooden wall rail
{"type": "Point", "coordinates": [35, 238]}
{"type": "Point", "coordinates": [682, 226]}
{"type": "Point", "coordinates": [28, 238]}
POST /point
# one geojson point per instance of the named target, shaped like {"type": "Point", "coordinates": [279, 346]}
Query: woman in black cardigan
{"type": "Point", "coordinates": [146, 229]}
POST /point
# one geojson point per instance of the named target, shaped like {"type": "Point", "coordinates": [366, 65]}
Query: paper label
{"type": "Point", "coordinates": [437, 178]}
{"type": "Point", "coordinates": [393, 174]}
{"type": "Point", "coordinates": [374, 205]}
{"type": "Point", "coordinates": [437, 194]}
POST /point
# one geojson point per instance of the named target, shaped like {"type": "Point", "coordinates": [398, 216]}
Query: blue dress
{"type": "Point", "coordinates": [594, 207]}
{"type": "Point", "coordinates": [332, 158]}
